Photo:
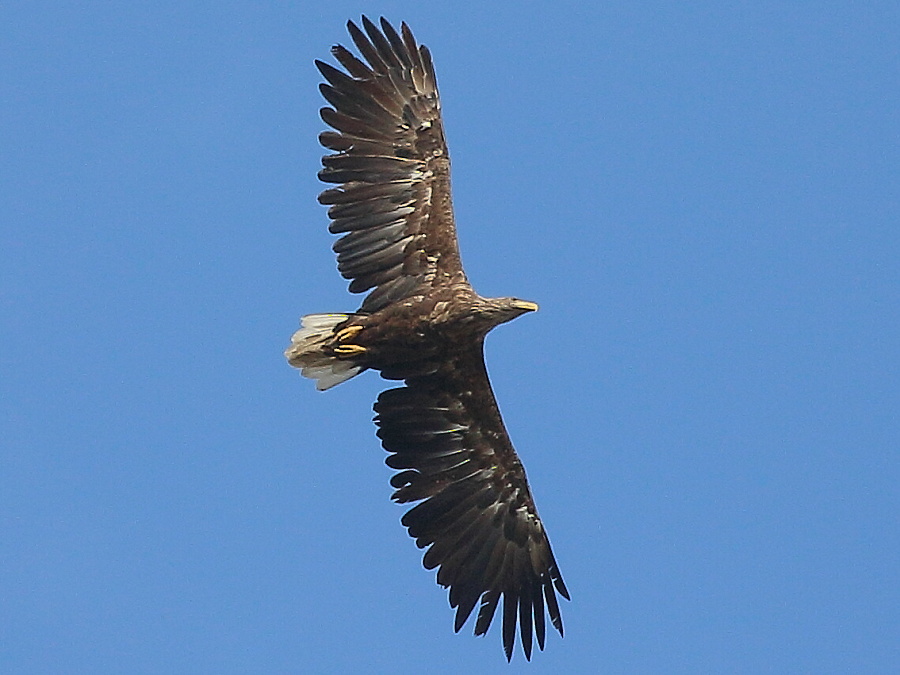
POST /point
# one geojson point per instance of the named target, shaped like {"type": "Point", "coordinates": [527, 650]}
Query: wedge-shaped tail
{"type": "Point", "coordinates": [307, 351]}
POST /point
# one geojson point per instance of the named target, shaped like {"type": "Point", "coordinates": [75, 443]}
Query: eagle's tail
{"type": "Point", "coordinates": [306, 351]}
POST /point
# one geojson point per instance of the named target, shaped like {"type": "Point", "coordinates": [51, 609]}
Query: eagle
{"type": "Point", "coordinates": [422, 322]}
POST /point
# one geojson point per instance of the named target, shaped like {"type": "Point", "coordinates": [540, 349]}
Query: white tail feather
{"type": "Point", "coordinates": [306, 353]}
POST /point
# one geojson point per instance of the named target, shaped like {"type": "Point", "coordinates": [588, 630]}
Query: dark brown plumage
{"type": "Point", "coordinates": [422, 322]}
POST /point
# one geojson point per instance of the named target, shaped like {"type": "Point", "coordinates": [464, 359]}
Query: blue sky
{"type": "Point", "coordinates": [704, 198]}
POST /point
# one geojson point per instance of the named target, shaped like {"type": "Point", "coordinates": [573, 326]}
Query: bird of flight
{"type": "Point", "coordinates": [423, 323]}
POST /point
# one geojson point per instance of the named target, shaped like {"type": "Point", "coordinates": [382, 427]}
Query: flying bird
{"type": "Point", "coordinates": [421, 322]}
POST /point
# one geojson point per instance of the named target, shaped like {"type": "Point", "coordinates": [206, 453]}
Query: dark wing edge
{"type": "Point", "coordinates": [393, 203]}
{"type": "Point", "coordinates": [478, 518]}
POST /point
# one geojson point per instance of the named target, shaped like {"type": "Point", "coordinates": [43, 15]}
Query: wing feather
{"type": "Point", "coordinates": [539, 624]}
{"type": "Point", "coordinates": [476, 517]}
{"type": "Point", "coordinates": [525, 625]}
{"type": "Point", "coordinates": [487, 609]}
{"type": "Point", "coordinates": [365, 47]}
{"type": "Point", "coordinates": [391, 164]}
{"type": "Point", "coordinates": [365, 281]}
{"type": "Point", "coordinates": [510, 603]}
{"type": "Point", "coordinates": [397, 46]}
{"type": "Point", "coordinates": [382, 44]}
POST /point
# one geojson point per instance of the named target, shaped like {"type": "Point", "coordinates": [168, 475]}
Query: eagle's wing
{"type": "Point", "coordinates": [393, 201]}
{"type": "Point", "coordinates": [448, 440]}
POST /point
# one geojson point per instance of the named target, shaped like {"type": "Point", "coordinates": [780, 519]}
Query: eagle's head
{"type": "Point", "coordinates": [501, 310]}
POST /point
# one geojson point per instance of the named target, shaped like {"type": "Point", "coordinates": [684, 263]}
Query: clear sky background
{"type": "Point", "coordinates": [704, 198]}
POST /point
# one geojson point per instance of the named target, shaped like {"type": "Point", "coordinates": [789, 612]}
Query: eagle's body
{"type": "Point", "coordinates": [423, 323]}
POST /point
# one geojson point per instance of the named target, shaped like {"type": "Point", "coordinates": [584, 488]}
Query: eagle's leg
{"type": "Point", "coordinates": [349, 350]}
{"type": "Point", "coordinates": [347, 334]}
{"type": "Point", "coordinates": [343, 337]}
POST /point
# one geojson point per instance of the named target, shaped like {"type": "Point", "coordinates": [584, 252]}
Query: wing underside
{"type": "Point", "coordinates": [390, 163]}
{"type": "Point", "coordinates": [475, 514]}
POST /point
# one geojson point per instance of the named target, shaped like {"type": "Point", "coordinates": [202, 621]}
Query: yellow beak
{"type": "Point", "coordinates": [526, 305]}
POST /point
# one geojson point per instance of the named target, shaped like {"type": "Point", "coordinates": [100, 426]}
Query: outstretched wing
{"type": "Point", "coordinates": [393, 202]}
{"type": "Point", "coordinates": [446, 436]}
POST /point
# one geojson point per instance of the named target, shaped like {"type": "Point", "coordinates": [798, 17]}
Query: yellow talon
{"type": "Point", "coordinates": [347, 333]}
{"type": "Point", "coordinates": [348, 350]}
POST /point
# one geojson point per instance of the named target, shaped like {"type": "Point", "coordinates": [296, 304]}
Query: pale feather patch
{"type": "Point", "coordinates": [331, 375]}
{"type": "Point", "coordinates": [305, 351]}
{"type": "Point", "coordinates": [322, 320]}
